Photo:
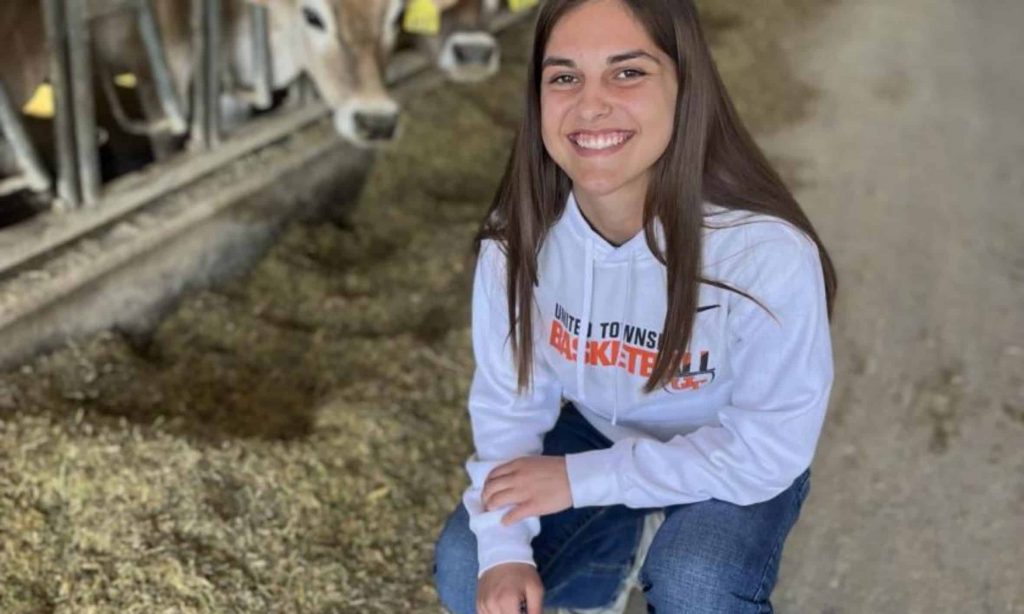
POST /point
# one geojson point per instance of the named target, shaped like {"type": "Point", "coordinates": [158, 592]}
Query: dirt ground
{"type": "Point", "coordinates": [910, 165]}
{"type": "Point", "coordinates": [292, 441]}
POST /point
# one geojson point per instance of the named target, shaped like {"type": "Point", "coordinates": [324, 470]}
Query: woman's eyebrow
{"type": "Point", "coordinates": [555, 61]}
{"type": "Point", "coordinates": [613, 59]}
{"type": "Point", "coordinates": [632, 55]}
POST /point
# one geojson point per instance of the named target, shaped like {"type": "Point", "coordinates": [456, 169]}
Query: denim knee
{"type": "Point", "coordinates": [687, 582]}
{"type": "Point", "coordinates": [455, 564]}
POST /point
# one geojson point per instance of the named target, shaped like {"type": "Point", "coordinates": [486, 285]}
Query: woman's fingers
{"type": "Point", "coordinates": [493, 487]}
{"type": "Point", "coordinates": [534, 598]}
{"type": "Point", "coordinates": [493, 484]}
{"type": "Point", "coordinates": [509, 496]}
{"type": "Point", "coordinates": [505, 603]}
{"type": "Point", "coordinates": [503, 588]}
{"type": "Point", "coordinates": [523, 510]}
{"type": "Point", "coordinates": [502, 471]}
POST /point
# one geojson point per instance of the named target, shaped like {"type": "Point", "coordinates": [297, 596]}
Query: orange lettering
{"type": "Point", "coordinates": [688, 383]}
{"type": "Point", "coordinates": [632, 354]}
{"type": "Point", "coordinates": [647, 360]}
{"type": "Point", "coordinates": [598, 354]}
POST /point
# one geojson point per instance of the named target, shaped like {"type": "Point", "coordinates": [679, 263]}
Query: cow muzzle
{"type": "Point", "coordinates": [368, 123]}
{"type": "Point", "coordinates": [470, 56]}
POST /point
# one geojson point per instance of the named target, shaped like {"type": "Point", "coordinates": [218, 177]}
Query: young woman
{"type": "Point", "coordinates": [651, 333]}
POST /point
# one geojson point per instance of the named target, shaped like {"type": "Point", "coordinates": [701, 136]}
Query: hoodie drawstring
{"type": "Point", "coordinates": [588, 297]}
{"type": "Point", "coordinates": [588, 300]}
{"type": "Point", "coordinates": [622, 321]}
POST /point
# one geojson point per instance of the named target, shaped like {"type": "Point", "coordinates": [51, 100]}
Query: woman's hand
{"type": "Point", "coordinates": [535, 485]}
{"type": "Point", "coordinates": [502, 588]}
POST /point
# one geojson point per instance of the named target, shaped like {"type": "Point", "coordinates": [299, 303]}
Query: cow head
{"type": "Point", "coordinates": [465, 50]}
{"type": "Point", "coordinates": [343, 45]}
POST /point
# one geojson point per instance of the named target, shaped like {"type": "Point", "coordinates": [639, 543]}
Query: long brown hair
{"type": "Point", "coordinates": [710, 157]}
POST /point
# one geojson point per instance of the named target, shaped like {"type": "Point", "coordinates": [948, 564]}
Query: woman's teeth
{"type": "Point", "coordinates": [604, 141]}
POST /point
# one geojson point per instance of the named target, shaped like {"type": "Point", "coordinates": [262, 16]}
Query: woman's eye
{"type": "Point", "coordinates": [631, 73]}
{"type": "Point", "coordinates": [312, 18]}
{"type": "Point", "coordinates": [562, 80]}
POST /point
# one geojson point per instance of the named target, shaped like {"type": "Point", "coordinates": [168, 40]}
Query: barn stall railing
{"type": "Point", "coordinates": [82, 203]}
{"type": "Point", "coordinates": [152, 233]}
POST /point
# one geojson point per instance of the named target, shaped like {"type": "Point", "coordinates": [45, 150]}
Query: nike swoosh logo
{"type": "Point", "coordinates": [708, 307]}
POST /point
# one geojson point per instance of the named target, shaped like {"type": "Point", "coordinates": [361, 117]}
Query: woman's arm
{"type": "Point", "coordinates": [768, 433]}
{"type": "Point", "coordinates": [505, 425]}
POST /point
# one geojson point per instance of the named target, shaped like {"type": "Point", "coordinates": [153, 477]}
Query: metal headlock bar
{"type": "Point", "coordinates": [170, 98]}
{"type": "Point", "coordinates": [206, 83]}
{"type": "Point", "coordinates": [63, 118]}
{"type": "Point", "coordinates": [263, 79]}
{"type": "Point", "coordinates": [82, 100]}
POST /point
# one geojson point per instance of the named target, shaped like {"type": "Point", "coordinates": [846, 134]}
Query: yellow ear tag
{"type": "Point", "coordinates": [41, 103]}
{"type": "Point", "coordinates": [521, 5]}
{"type": "Point", "coordinates": [126, 80]}
{"type": "Point", "coordinates": [422, 17]}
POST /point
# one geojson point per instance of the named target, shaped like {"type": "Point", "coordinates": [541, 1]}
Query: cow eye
{"type": "Point", "coordinates": [312, 18]}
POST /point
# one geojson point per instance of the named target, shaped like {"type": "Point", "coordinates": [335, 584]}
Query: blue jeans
{"type": "Point", "coordinates": [707, 557]}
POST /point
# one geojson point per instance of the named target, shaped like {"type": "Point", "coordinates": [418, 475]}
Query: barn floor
{"type": "Point", "coordinates": [292, 441]}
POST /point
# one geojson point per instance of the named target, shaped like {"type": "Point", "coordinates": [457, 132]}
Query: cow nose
{"type": "Point", "coordinates": [376, 125]}
{"type": "Point", "coordinates": [473, 53]}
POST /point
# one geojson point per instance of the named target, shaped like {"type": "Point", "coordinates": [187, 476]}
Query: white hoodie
{"type": "Point", "coordinates": [738, 424]}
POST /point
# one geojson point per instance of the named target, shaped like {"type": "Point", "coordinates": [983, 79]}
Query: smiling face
{"type": "Point", "coordinates": [607, 99]}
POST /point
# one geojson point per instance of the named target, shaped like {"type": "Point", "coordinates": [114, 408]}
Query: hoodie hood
{"type": "Point", "coordinates": [602, 250]}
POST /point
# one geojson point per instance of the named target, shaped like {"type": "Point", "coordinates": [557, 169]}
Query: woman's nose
{"type": "Point", "coordinates": [593, 104]}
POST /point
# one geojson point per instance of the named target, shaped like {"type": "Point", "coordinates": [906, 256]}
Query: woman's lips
{"type": "Point", "coordinates": [605, 142]}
